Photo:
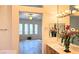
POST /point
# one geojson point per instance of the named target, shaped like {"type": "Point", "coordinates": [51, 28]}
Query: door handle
{"type": "Point", "coordinates": [3, 29]}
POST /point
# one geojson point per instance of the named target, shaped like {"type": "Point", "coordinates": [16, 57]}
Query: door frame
{"type": "Point", "coordinates": [15, 23]}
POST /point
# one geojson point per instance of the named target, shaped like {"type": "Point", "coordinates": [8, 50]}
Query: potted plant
{"type": "Point", "coordinates": [67, 37]}
{"type": "Point", "coordinates": [66, 41]}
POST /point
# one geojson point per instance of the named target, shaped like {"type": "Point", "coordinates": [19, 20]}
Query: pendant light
{"type": "Point", "coordinates": [30, 17]}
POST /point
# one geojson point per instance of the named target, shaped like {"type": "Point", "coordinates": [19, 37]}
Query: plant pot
{"type": "Point", "coordinates": [66, 45]}
{"type": "Point", "coordinates": [67, 51]}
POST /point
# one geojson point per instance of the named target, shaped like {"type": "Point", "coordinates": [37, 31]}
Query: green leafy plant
{"type": "Point", "coordinates": [67, 37]}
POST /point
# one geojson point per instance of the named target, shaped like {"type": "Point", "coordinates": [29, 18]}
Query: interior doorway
{"type": "Point", "coordinates": [30, 33]}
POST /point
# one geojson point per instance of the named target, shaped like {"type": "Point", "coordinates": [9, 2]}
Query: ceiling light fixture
{"type": "Point", "coordinates": [30, 17]}
{"type": "Point", "coordinates": [59, 15]}
{"type": "Point", "coordinates": [74, 11]}
{"type": "Point", "coordinates": [76, 7]}
{"type": "Point", "coordinates": [69, 12]}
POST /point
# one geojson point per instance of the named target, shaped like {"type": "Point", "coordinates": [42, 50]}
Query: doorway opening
{"type": "Point", "coordinates": [30, 33]}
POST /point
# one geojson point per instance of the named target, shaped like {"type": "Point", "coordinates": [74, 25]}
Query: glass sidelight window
{"type": "Point", "coordinates": [36, 28]}
{"type": "Point", "coordinates": [20, 29]}
{"type": "Point", "coordinates": [31, 28]}
{"type": "Point", "coordinates": [26, 29]}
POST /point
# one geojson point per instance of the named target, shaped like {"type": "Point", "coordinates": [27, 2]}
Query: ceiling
{"type": "Point", "coordinates": [25, 16]}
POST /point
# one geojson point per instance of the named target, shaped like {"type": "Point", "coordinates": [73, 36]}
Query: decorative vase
{"type": "Point", "coordinates": [66, 45]}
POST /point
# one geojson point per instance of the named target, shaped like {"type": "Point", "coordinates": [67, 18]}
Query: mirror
{"type": "Point", "coordinates": [56, 29]}
{"type": "Point", "coordinates": [74, 23]}
{"type": "Point", "coordinates": [53, 30]}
